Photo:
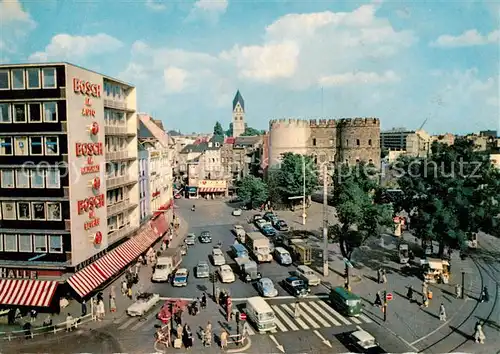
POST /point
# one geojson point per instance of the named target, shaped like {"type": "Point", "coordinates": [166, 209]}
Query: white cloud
{"type": "Point", "coordinates": [67, 47]}
{"type": "Point", "coordinates": [156, 5]}
{"type": "Point", "coordinates": [208, 9]}
{"type": "Point", "coordinates": [357, 78]}
{"type": "Point", "coordinates": [11, 11]}
{"type": "Point", "coordinates": [467, 39]}
{"type": "Point", "coordinates": [175, 79]}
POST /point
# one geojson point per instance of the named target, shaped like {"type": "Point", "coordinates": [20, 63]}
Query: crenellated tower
{"type": "Point", "coordinates": [238, 115]}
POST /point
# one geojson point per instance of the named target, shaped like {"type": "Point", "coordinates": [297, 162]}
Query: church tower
{"type": "Point", "coordinates": [238, 115]}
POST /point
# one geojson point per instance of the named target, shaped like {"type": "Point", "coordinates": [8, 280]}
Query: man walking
{"type": "Point", "coordinates": [442, 313]}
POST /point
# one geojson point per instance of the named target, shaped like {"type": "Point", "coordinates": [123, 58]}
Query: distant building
{"type": "Point", "coordinates": [238, 115]}
{"type": "Point", "coordinates": [394, 139]}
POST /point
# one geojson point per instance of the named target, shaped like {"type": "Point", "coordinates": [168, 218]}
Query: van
{"type": "Point", "coordinates": [239, 251]}
{"type": "Point", "coordinates": [261, 314]}
{"type": "Point", "coordinates": [282, 256]}
{"type": "Point", "coordinates": [308, 275]}
{"type": "Point", "coordinates": [345, 301]}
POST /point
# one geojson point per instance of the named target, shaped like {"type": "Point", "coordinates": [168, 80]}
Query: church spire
{"type": "Point", "coordinates": [238, 98]}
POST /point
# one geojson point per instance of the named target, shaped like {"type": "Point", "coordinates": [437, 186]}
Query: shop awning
{"type": "Point", "coordinates": [210, 190]}
{"type": "Point", "coordinates": [95, 274]}
{"type": "Point", "coordinates": [33, 293]}
{"type": "Point", "coordinates": [160, 225]}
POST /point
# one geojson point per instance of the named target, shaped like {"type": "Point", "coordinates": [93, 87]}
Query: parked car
{"type": "Point", "coordinates": [271, 217]}
{"type": "Point", "coordinates": [260, 223]}
{"type": "Point", "coordinates": [280, 225]}
{"type": "Point", "coordinates": [184, 249]}
{"type": "Point", "coordinates": [190, 239]}
{"type": "Point", "coordinates": [205, 237]}
{"type": "Point", "coordinates": [180, 277]}
{"type": "Point", "coordinates": [307, 274]}
{"type": "Point", "coordinates": [218, 257]}
{"type": "Point", "coordinates": [202, 270]}
{"type": "Point", "coordinates": [268, 230]}
{"type": "Point", "coordinates": [239, 231]}
{"type": "Point", "coordinates": [144, 303]}
{"type": "Point", "coordinates": [266, 288]}
{"type": "Point", "coordinates": [282, 256]}
{"type": "Point", "coordinates": [226, 274]}
{"type": "Point", "coordinates": [296, 287]}
{"type": "Point", "coordinates": [257, 217]}
{"type": "Point", "coordinates": [237, 212]}
{"type": "Point", "coordinates": [268, 214]}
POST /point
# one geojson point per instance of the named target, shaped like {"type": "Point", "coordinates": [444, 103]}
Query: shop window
{"type": "Point", "coordinates": [38, 211]}
{"type": "Point", "coordinates": [36, 145]}
{"type": "Point", "coordinates": [40, 243]}
{"type": "Point", "coordinates": [37, 179]}
{"type": "Point", "coordinates": [51, 145]}
{"type": "Point", "coordinates": [55, 244]}
{"type": "Point", "coordinates": [23, 211]}
{"type": "Point", "coordinates": [53, 178]}
{"type": "Point", "coordinates": [25, 243]}
{"type": "Point", "coordinates": [18, 82]}
{"type": "Point", "coordinates": [19, 112]}
{"type": "Point", "coordinates": [6, 146]}
{"type": "Point", "coordinates": [54, 211]}
{"type": "Point", "coordinates": [50, 112]}
{"type": "Point", "coordinates": [7, 178]}
{"type": "Point", "coordinates": [33, 77]}
{"type": "Point", "coordinates": [9, 210]}
{"type": "Point", "coordinates": [34, 112]}
{"type": "Point", "coordinates": [49, 77]}
{"type": "Point", "coordinates": [5, 116]}
{"type": "Point", "coordinates": [21, 146]}
{"type": "Point", "coordinates": [10, 243]}
{"type": "Point", "coordinates": [4, 80]}
{"type": "Point", "coordinates": [22, 179]}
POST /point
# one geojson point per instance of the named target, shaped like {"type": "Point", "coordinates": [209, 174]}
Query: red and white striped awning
{"type": "Point", "coordinates": [33, 293]}
{"type": "Point", "coordinates": [95, 274]}
{"type": "Point", "coordinates": [211, 190]}
{"type": "Point", "coordinates": [160, 225]}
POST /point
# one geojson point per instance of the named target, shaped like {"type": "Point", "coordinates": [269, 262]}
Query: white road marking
{"type": "Point", "coordinates": [355, 320]}
{"type": "Point", "coordinates": [333, 312]}
{"type": "Point", "coordinates": [327, 316]}
{"type": "Point", "coordinates": [287, 319]}
{"type": "Point", "coordinates": [315, 315]}
{"type": "Point", "coordinates": [364, 318]}
{"type": "Point", "coordinates": [128, 323]}
{"type": "Point", "coordinates": [304, 315]}
{"type": "Point", "coordinates": [280, 325]}
{"type": "Point", "coordinates": [298, 320]}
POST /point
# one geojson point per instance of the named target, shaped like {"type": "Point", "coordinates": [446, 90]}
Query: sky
{"type": "Point", "coordinates": [405, 62]}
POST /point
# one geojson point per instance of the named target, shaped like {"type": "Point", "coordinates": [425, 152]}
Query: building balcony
{"type": "Point", "coordinates": [120, 233]}
{"type": "Point", "coordinates": [120, 207]}
{"type": "Point", "coordinates": [120, 181]}
{"type": "Point", "coordinates": [119, 155]}
{"type": "Point", "coordinates": [112, 129]}
{"type": "Point", "coordinates": [117, 105]}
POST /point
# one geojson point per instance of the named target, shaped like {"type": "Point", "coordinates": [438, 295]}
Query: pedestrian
{"type": "Point", "coordinates": [112, 303]}
{"type": "Point", "coordinates": [129, 292]}
{"type": "Point", "coordinates": [178, 331]}
{"type": "Point", "coordinates": [69, 323]}
{"type": "Point", "coordinates": [424, 288]}
{"type": "Point", "coordinates": [84, 308]}
{"type": "Point", "coordinates": [223, 340]}
{"type": "Point", "coordinates": [425, 301]}
{"type": "Point", "coordinates": [458, 291]}
{"type": "Point", "coordinates": [442, 313]}
{"type": "Point", "coordinates": [203, 301]}
{"type": "Point", "coordinates": [479, 336]}
{"type": "Point", "coordinates": [101, 311]}
{"type": "Point", "coordinates": [296, 312]}
{"type": "Point", "coordinates": [485, 296]}
{"type": "Point", "coordinates": [27, 330]}
{"type": "Point", "coordinates": [124, 287]}
{"type": "Point", "coordinates": [47, 322]}
{"type": "Point", "coordinates": [378, 300]}
{"type": "Point", "coordinates": [188, 340]}
{"type": "Point", "coordinates": [409, 294]}
{"type": "Point", "coordinates": [207, 335]}
{"type": "Point", "coordinates": [384, 276]}
{"type": "Point", "coordinates": [33, 315]}
{"type": "Point", "coordinates": [112, 291]}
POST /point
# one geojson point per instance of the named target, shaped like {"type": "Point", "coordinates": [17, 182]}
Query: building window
{"type": "Point", "coordinates": [6, 146]}
{"type": "Point", "coordinates": [314, 141]}
{"type": "Point", "coordinates": [19, 112]}
{"type": "Point", "coordinates": [34, 113]}
{"type": "Point", "coordinates": [51, 145]}
{"type": "Point", "coordinates": [8, 179]}
{"type": "Point", "coordinates": [10, 243]}
{"type": "Point", "coordinates": [23, 211]}
{"type": "Point", "coordinates": [369, 142]}
{"type": "Point", "coordinates": [50, 112]}
{"type": "Point", "coordinates": [21, 145]}
{"type": "Point", "coordinates": [357, 142]}
{"type": "Point", "coordinates": [38, 211]}
{"type": "Point", "coordinates": [25, 243]}
{"type": "Point", "coordinates": [53, 178]}
{"type": "Point", "coordinates": [55, 244]}
{"type": "Point", "coordinates": [40, 242]}
{"type": "Point", "coordinates": [22, 179]}
{"type": "Point", "coordinates": [18, 79]}
{"type": "Point", "coordinates": [9, 210]}
{"type": "Point", "coordinates": [37, 179]}
{"type": "Point", "coordinates": [347, 143]}
{"type": "Point", "coordinates": [1, 243]}
{"type": "Point", "coordinates": [4, 80]}
{"type": "Point", "coordinates": [54, 211]}
{"type": "Point", "coordinates": [5, 116]}
{"type": "Point", "coordinates": [36, 145]}
{"type": "Point", "coordinates": [33, 75]}
{"type": "Point", "coordinates": [49, 77]}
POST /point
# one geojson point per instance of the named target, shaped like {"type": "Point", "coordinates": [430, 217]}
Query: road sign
{"type": "Point", "coordinates": [243, 316]}
{"type": "Point", "coordinates": [389, 296]}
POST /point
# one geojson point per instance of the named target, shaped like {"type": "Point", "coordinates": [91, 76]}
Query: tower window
{"type": "Point", "coordinates": [357, 160]}
{"type": "Point", "coordinates": [347, 143]}
{"type": "Point", "coordinates": [314, 141]}
{"type": "Point", "coordinates": [357, 142]}
{"type": "Point", "coordinates": [369, 142]}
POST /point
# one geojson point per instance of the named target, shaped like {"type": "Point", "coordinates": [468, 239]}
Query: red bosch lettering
{"type": "Point", "coordinates": [89, 149]}
{"type": "Point", "coordinates": [90, 203]}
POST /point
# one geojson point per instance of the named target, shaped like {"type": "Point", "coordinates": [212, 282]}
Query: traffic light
{"type": "Point", "coordinates": [213, 277]}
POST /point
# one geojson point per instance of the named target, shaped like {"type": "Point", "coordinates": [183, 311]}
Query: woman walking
{"type": "Point", "coordinates": [112, 303]}
{"type": "Point", "coordinates": [223, 340]}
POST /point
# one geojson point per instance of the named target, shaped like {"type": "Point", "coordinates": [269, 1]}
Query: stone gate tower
{"type": "Point", "coordinates": [238, 115]}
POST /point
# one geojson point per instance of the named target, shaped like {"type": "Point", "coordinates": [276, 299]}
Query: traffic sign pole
{"type": "Point", "coordinates": [385, 305]}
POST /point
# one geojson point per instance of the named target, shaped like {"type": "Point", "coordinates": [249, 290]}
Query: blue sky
{"type": "Point", "coordinates": [402, 62]}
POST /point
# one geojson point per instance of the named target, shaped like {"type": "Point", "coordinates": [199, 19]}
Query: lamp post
{"type": "Point", "coordinates": [303, 190]}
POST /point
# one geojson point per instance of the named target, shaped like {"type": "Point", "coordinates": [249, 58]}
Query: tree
{"type": "Point", "coordinates": [252, 191]}
{"type": "Point", "coordinates": [249, 131]}
{"type": "Point", "coordinates": [218, 130]}
{"type": "Point", "coordinates": [273, 183]}
{"type": "Point", "coordinates": [229, 132]}
{"type": "Point", "coordinates": [452, 193]}
{"type": "Point", "coordinates": [291, 175]}
{"type": "Point", "coordinates": [359, 216]}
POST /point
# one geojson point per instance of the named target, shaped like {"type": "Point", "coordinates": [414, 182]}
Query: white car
{"type": "Point", "coordinates": [218, 257]}
{"type": "Point", "coordinates": [144, 303]}
{"type": "Point", "coordinates": [308, 275]}
{"type": "Point", "coordinates": [239, 230]}
{"type": "Point", "coordinates": [180, 277]}
{"type": "Point", "coordinates": [226, 274]}
{"type": "Point", "coordinates": [190, 239]}
{"type": "Point", "coordinates": [260, 222]}
{"type": "Point", "coordinates": [237, 212]}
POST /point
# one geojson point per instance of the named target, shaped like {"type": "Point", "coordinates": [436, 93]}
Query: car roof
{"type": "Point", "coordinates": [191, 235]}
{"type": "Point", "coordinates": [265, 280]}
{"type": "Point", "coordinates": [238, 226]}
{"type": "Point", "coordinates": [182, 270]}
{"type": "Point", "coordinates": [217, 250]}
{"type": "Point", "coordinates": [204, 263]}
{"type": "Point", "coordinates": [304, 267]}
{"type": "Point", "coordinates": [225, 267]}
{"type": "Point", "coordinates": [362, 336]}
{"type": "Point", "coordinates": [292, 278]}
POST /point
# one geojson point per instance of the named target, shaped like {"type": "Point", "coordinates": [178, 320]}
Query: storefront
{"type": "Point", "coordinates": [211, 189]}
{"type": "Point", "coordinates": [192, 192]}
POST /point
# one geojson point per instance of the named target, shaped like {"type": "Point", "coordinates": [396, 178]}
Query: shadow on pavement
{"type": "Point", "coordinates": [467, 336]}
{"type": "Point", "coordinates": [489, 323]}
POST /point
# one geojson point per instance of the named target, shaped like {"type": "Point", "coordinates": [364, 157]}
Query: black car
{"type": "Point", "coordinates": [280, 225]}
{"type": "Point", "coordinates": [295, 286]}
{"type": "Point", "coordinates": [205, 237]}
{"type": "Point", "coordinates": [256, 217]}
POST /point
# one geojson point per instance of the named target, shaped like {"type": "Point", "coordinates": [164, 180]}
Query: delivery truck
{"type": "Point", "coordinates": [166, 264]}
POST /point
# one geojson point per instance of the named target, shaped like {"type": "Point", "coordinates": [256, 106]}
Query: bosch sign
{"type": "Point", "coordinates": [86, 88]}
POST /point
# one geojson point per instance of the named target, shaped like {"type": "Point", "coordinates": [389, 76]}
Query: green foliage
{"type": "Point", "coordinates": [252, 191]}
{"type": "Point", "coordinates": [291, 175]}
{"type": "Point", "coordinates": [455, 191]}
{"type": "Point", "coordinates": [229, 132]}
{"type": "Point", "coordinates": [359, 216]}
{"type": "Point", "coordinates": [273, 183]}
{"type": "Point", "coordinates": [249, 131]}
{"type": "Point", "coordinates": [218, 130]}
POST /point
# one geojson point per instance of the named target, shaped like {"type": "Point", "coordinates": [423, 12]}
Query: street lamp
{"type": "Point", "coordinates": [303, 190]}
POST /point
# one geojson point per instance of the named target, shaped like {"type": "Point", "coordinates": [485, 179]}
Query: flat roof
{"type": "Point", "coordinates": [65, 63]}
